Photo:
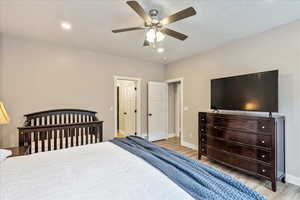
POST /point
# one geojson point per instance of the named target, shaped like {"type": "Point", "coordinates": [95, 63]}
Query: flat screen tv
{"type": "Point", "coordinates": [250, 92]}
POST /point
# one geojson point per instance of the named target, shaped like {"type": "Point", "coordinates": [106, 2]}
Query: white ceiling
{"type": "Point", "coordinates": [217, 23]}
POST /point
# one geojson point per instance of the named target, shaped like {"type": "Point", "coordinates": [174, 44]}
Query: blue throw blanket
{"type": "Point", "coordinates": [201, 181]}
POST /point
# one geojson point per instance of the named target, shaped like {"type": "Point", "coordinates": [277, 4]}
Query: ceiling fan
{"type": "Point", "coordinates": [155, 26]}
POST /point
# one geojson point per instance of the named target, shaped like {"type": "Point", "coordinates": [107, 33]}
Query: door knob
{"type": "Point", "coordinates": [125, 113]}
{"type": "Point", "coordinates": [150, 114]}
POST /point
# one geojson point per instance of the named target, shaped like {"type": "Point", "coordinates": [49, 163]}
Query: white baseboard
{"type": "Point", "coordinates": [144, 135]}
{"type": "Point", "coordinates": [170, 135]}
{"type": "Point", "coordinates": [293, 179]}
{"type": "Point", "coordinates": [189, 145]}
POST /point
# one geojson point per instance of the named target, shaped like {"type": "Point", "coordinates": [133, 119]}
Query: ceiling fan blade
{"type": "Point", "coordinates": [174, 34]}
{"type": "Point", "coordinates": [127, 29]}
{"type": "Point", "coordinates": [146, 43]}
{"type": "Point", "coordinates": [139, 10]}
{"type": "Point", "coordinates": [179, 16]}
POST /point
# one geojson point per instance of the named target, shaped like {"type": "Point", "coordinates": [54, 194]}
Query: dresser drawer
{"type": "Point", "coordinates": [264, 170]}
{"type": "Point", "coordinates": [230, 159]}
{"type": "Point", "coordinates": [241, 137]}
{"type": "Point", "coordinates": [246, 151]}
{"type": "Point", "coordinates": [203, 148]}
{"type": "Point", "coordinates": [249, 152]}
{"type": "Point", "coordinates": [250, 139]}
{"type": "Point", "coordinates": [203, 138]}
{"type": "Point", "coordinates": [238, 162]}
{"type": "Point", "coordinates": [235, 124]}
{"type": "Point", "coordinates": [246, 125]}
{"type": "Point", "coordinates": [202, 129]}
{"type": "Point", "coordinates": [216, 132]}
{"type": "Point", "coordinates": [202, 118]}
{"type": "Point", "coordinates": [266, 126]}
{"type": "Point", "coordinates": [263, 156]}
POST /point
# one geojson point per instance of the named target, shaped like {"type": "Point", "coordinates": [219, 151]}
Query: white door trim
{"type": "Point", "coordinates": [139, 104]}
{"type": "Point", "coordinates": [181, 80]}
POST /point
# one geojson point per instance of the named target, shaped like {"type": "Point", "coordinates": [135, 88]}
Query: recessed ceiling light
{"type": "Point", "coordinates": [160, 50]}
{"type": "Point", "coordinates": [66, 25]}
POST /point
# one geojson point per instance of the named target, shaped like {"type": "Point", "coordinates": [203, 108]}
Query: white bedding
{"type": "Point", "coordinates": [94, 172]}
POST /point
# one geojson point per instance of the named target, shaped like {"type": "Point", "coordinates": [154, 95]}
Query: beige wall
{"type": "Point", "coordinates": [38, 76]}
{"type": "Point", "coordinates": [275, 49]}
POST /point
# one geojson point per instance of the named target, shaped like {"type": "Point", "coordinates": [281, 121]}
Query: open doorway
{"type": "Point", "coordinates": [175, 109]}
{"type": "Point", "coordinates": [127, 106]}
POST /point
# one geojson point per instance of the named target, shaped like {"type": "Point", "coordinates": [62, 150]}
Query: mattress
{"type": "Point", "coordinates": [96, 171]}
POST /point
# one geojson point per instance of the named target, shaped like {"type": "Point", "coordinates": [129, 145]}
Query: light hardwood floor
{"type": "Point", "coordinates": [284, 191]}
{"type": "Point", "coordinates": [120, 135]}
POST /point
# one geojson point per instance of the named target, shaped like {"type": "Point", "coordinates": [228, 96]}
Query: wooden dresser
{"type": "Point", "coordinates": [252, 144]}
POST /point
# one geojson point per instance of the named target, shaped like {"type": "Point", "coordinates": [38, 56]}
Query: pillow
{"type": "Point", "coordinates": [4, 154]}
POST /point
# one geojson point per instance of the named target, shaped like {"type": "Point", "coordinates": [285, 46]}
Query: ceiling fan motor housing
{"type": "Point", "coordinates": [155, 22]}
{"type": "Point", "coordinates": [153, 13]}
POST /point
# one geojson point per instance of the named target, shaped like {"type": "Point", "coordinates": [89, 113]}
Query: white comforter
{"type": "Point", "coordinates": [93, 172]}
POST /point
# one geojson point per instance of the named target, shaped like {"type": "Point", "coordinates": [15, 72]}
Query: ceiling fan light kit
{"type": "Point", "coordinates": [154, 36]}
{"type": "Point", "coordinates": [66, 25]}
{"type": "Point", "coordinates": [160, 50]}
{"type": "Point", "coordinates": [155, 28]}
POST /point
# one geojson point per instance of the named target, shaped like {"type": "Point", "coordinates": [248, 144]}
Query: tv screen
{"type": "Point", "coordinates": [251, 92]}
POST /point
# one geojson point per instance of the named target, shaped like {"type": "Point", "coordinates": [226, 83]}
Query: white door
{"type": "Point", "coordinates": [130, 108]}
{"type": "Point", "coordinates": [127, 110]}
{"type": "Point", "coordinates": [157, 111]}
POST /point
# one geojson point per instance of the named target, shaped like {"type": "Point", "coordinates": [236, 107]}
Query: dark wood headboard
{"type": "Point", "coordinates": [59, 129]}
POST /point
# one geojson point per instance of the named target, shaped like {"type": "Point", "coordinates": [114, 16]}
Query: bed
{"type": "Point", "coordinates": [96, 171]}
{"type": "Point", "coordinates": [128, 168]}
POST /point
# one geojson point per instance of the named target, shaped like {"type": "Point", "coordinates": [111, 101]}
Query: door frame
{"type": "Point", "coordinates": [181, 81]}
{"type": "Point", "coordinates": [138, 103]}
